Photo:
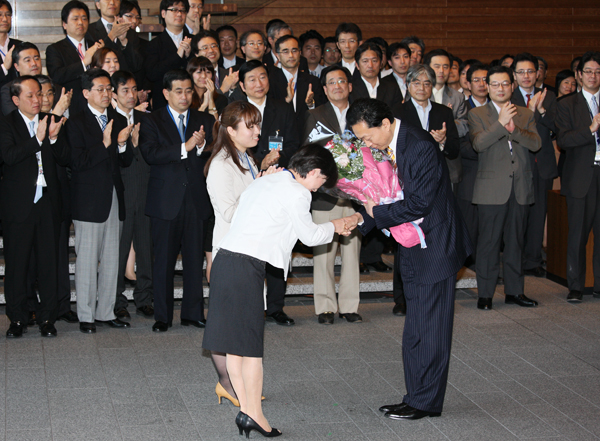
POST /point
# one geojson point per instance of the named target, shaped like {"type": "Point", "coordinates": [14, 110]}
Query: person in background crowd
{"type": "Point", "coordinates": [205, 98]}
{"type": "Point", "coordinates": [331, 53]}
{"type": "Point", "coordinates": [417, 49]}
{"type": "Point", "coordinates": [194, 22]}
{"type": "Point", "coordinates": [348, 37]}
{"type": "Point", "coordinates": [311, 48]}
{"type": "Point", "coordinates": [228, 45]}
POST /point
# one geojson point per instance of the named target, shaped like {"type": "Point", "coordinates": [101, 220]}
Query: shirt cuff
{"type": "Point", "coordinates": [122, 149]}
{"type": "Point", "coordinates": [184, 152]}
{"type": "Point", "coordinates": [4, 70]}
{"type": "Point", "coordinates": [199, 149]}
{"type": "Point", "coordinates": [38, 140]}
{"type": "Point", "coordinates": [52, 141]}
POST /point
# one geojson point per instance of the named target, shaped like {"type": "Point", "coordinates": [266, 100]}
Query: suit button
{"type": "Point", "coordinates": [513, 162]}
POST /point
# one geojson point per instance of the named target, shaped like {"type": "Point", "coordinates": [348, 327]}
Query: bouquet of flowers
{"type": "Point", "coordinates": [367, 173]}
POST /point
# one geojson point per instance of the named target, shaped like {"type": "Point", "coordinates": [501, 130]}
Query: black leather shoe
{"type": "Point", "coordinates": [574, 296]}
{"type": "Point", "coordinates": [410, 413]}
{"type": "Point", "coordinates": [399, 309]}
{"type": "Point", "coordinates": [122, 313]}
{"type": "Point", "coordinates": [196, 323]}
{"type": "Point", "coordinates": [596, 294]}
{"type": "Point", "coordinates": [146, 311]}
{"type": "Point", "coordinates": [160, 327]}
{"type": "Point", "coordinates": [31, 320]}
{"type": "Point", "coordinates": [87, 328]}
{"type": "Point", "coordinates": [485, 304]}
{"type": "Point", "coordinates": [536, 272]}
{"type": "Point", "coordinates": [351, 317]}
{"type": "Point", "coordinates": [390, 407]}
{"type": "Point", "coordinates": [521, 300]}
{"type": "Point", "coordinates": [69, 317]}
{"type": "Point", "coordinates": [281, 318]}
{"type": "Point", "coordinates": [115, 323]}
{"type": "Point", "coordinates": [47, 329]}
{"type": "Point", "coordinates": [380, 267]}
{"type": "Point", "coordinates": [363, 268]}
{"type": "Point", "coordinates": [326, 318]}
{"type": "Point", "coordinates": [130, 282]}
{"type": "Point", "coordinates": [16, 329]}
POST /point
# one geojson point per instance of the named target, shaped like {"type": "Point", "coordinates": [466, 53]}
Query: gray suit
{"type": "Point", "coordinates": [503, 191]}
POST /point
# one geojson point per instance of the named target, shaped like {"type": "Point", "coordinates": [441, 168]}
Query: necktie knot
{"type": "Point", "coordinates": [32, 128]}
{"type": "Point", "coordinates": [104, 121]}
{"type": "Point", "coordinates": [109, 26]}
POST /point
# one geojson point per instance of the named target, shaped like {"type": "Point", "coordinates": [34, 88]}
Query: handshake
{"type": "Point", "coordinates": [345, 225]}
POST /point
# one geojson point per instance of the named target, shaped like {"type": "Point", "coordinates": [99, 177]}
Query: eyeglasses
{"type": "Point", "coordinates": [293, 51]}
{"type": "Point", "coordinates": [334, 82]}
{"type": "Point", "coordinates": [49, 94]}
{"type": "Point", "coordinates": [177, 11]}
{"type": "Point", "coordinates": [212, 46]}
{"type": "Point", "coordinates": [107, 89]}
{"type": "Point", "coordinates": [419, 84]}
{"type": "Point", "coordinates": [6, 14]}
{"type": "Point", "coordinates": [331, 49]}
{"type": "Point", "coordinates": [133, 17]}
{"type": "Point", "coordinates": [504, 84]}
{"type": "Point", "coordinates": [254, 44]}
{"type": "Point", "coordinates": [523, 72]}
{"type": "Point", "coordinates": [478, 80]}
{"type": "Point", "coordinates": [196, 7]}
{"type": "Point", "coordinates": [591, 72]}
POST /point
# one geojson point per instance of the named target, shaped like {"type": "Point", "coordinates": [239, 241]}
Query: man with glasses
{"type": "Point", "coordinates": [543, 162]}
{"type": "Point", "coordinates": [170, 50]}
{"type": "Point", "coordinates": [99, 140]}
{"type": "Point", "coordinates": [194, 20]}
{"type": "Point", "coordinates": [7, 71]}
{"type": "Point", "coordinates": [502, 133]}
{"type": "Point", "coordinates": [578, 121]}
{"type": "Point", "coordinates": [331, 53]}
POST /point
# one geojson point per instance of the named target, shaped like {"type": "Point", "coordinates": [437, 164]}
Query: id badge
{"type": "Point", "coordinates": [275, 142]}
{"type": "Point", "coordinates": [597, 158]}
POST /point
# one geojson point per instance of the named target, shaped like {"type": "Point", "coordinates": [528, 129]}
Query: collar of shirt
{"type": "Point", "coordinates": [128, 116]}
{"type": "Point", "coordinates": [437, 96]}
{"type": "Point", "coordinates": [401, 83]}
{"type": "Point", "coordinates": [189, 28]}
{"type": "Point", "coordinates": [176, 114]}
{"type": "Point", "coordinates": [524, 93]}
{"type": "Point", "coordinates": [588, 97]}
{"type": "Point", "coordinates": [36, 120]}
{"type": "Point", "coordinates": [477, 103]}
{"type": "Point", "coordinates": [341, 116]}
{"type": "Point", "coordinates": [176, 38]}
{"type": "Point", "coordinates": [349, 66]}
{"type": "Point", "coordinates": [371, 89]}
{"type": "Point", "coordinates": [4, 47]}
{"type": "Point", "coordinates": [275, 60]}
{"type": "Point", "coordinates": [423, 113]}
{"type": "Point", "coordinates": [394, 142]}
{"type": "Point", "coordinates": [106, 23]}
{"type": "Point", "coordinates": [317, 71]}
{"type": "Point", "coordinates": [227, 63]}
{"type": "Point", "coordinates": [385, 73]}
{"type": "Point", "coordinates": [76, 43]}
{"type": "Point", "coordinates": [97, 114]}
{"type": "Point", "coordinates": [261, 108]}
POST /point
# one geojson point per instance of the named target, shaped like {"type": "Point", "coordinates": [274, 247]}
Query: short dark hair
{"type": "Point", "coordinates": [73, 4]}
{"type": "Point", "coordinates": [474, 68]}
{"type": "Point", "coordinates": [246, 34]}
{"type": "Point", "coordinates": [7, 4]}
{"type": "Point", "coordinates": [588, 56]}
{"type": "Point", "coordinates": [395, 47]}
{"type": "Point", "coordinates": [370, 111]}
{"type": "Point", "coordinates": [436, 53]}
{"type": "Point", "coordinates": [329, 40]}
{"type": "Point", "coordinates": [563, 75]}
{"type": "Point", "coordinates": [366, 46]}
{"type": "Point", "coordinates": [20, 47]}
{"type": "Point", "coordinates": [505, 57]}
{"type": "Point", "coordinates": [466, 63]}
{"type": "Point", "coordinates": [413, 39]}
{"type": "Point", "coordinates": [500, 69]}
{"type": "Point", "coordinates": [88, 77]}
{"type": "Point", "coordinates": [165, 4]}
{"type": "Point", "coordinates": [249, 66]}
{"type": "Point", "coordinates": [202, 33]}
{"type": "Point", "coordinates": [45, 79]}
{"type": "Point", "coordinates": [120, 78]}
{"type": "Point", "coordinates": [175, 75]}
{"type": "Point", "coordinates": [348, 28]}
{"type": "Point", "coordinates": [383, 45]}
{"type": "Point", "coordinates": [127, 6]}
{"type": "Point", "coordinates": [227, 28]}
{"type": "Point", "coordinates": [15, 85]}
{"type": "Point", "coordinates": [543, 61]}
{"type": "Point", "coordinates": [457, 59]}
{"type": "Point", "coordinates": [311, 157]}
{"type": "Point", "coordinates": [575, 63]}
{"type": "Point", "coordinates": [524, 56]}
{"type": "Point", "coordinates": [271, 23]}
{"type": "Point", "coordinates": [311, 35]}
{"type": "Point", "coordinates": [283, 39]}
{"type": "Point", "coordinates": [334, 68]}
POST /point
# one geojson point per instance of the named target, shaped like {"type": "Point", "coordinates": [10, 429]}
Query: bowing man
{"type": "Point", "coordinates": [31, 146]}
{"type": "Point", "coordinates": [172, 140]}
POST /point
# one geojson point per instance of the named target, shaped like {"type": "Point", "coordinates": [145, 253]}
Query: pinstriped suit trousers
{"type": "Point", "coordinates": [427, 339]}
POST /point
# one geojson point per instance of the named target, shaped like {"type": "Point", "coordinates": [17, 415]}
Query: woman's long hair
{"type": "Point", "coordinates": [193, 65]}
{"type": "Point", "coordinates": [236, 113]}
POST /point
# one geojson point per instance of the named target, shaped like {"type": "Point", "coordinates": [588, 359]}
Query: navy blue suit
{"type": "Point", "coordinates": [429, 274]}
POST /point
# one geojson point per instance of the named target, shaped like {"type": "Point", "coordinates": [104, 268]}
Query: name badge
{"type": "Point", "coordinates": [597, 158]}
{"type": "Point", "coordinates": [276, 142]}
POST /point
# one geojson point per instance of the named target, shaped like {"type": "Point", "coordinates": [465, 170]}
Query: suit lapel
{"type": "Point", "coordinates": [330, 118]}
{"type": "Point", "coordinates": [170, 125]}
{"type": "Point", "coordinates": [268, 118]}
{"type": "Point", "coordinates": [517, 98]}
{"type": "Point", "coordinates": [582, 108]}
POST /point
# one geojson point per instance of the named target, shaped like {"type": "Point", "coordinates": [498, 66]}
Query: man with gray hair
{"type": "Point", "coordinates": [274, 32]}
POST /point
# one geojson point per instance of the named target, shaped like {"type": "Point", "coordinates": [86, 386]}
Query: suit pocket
{"type": "Point", "coordinates": [156, 183]}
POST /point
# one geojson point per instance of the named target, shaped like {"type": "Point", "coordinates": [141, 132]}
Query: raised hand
{"type": "Point", "coordinates": [595, 123]}
{"type": "Point", "coordinates": [196, 140]}
{"type": "Point", "coordinates": [135, 135]}
{"type": "Point", "coordinates": [55, 126]}
{"type": "Point", "coordinates": [8, 59]}
{"type": "Point", "coordinates": [271, 158]}
{"type": "Point", "coordinates": [124, 134]}
{"type": "Point", "coordinates": [540, 101]}
{"type": "Point", "coordinates": [185, 47]}
{"type": "Point", "coordinates": [206, 23]}
{"type": "Point", "coordinates": [119, 30]}
{"type": "Point", "coordinates": [142, 107]}
{"type": "Point", "coordinates": [229, 81]}
{"type": "Point", "coordinates": [310, 96]}
{"type": "Point", "coordinates": [507, 112]}
{"type": "Point", "coordinates": [63, 103]}
{"type": "Point", "coordinates": [439, 135]}
{"type": "Point", "coordinates": [106, 135]}
{"type": "Point", "coordinates": [290, 91]}
{"type": "Point", "coordinates": [41, 130]}
{"type": "Point", "coordinates": [272, 169]}
{"type": "Point", "coordinates": [369, 206]}
{"type": "Point", "coordinates": [87, 58]}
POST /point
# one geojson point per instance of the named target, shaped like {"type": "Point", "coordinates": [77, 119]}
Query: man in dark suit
{"type": "Point", "coordinates": [68, 59]}
{"type": "Point", "coordinates": [7, 71]}
{"type": "Point", "coordinates": [26, 61]}
{"type": "Point", "coordinates": [130, 12]}
{"type": "Point", "coordinates": [348, 37]}
{"type": "Point", "coordinates": [427, 335]}
{"type": "Point", "coordinates": [228, 45]}
{"type": "Point", "coordinates": [398, 56]}
{"type": "Point", "coordinates": [31, 148]}
{"type": "Point", "coordinates": [172, 140]}
{"type": "Point", "coordinates": [170, 50]}
{"type": "Point", "coordinates": [278, 120]}
{"type": "Point", "coordinates": [543, 162]}
{"type": "Point", "coordinates": [136, 227]}
{"type": "Point", "coordinates": [502, 134]}
{"type": "Point", "coordinates": [578, 121]}
{"type": "Point", "coordinates": [542, 73]}
{"type": "Point", "coordinates": [292, 84]}
{"type": "Point", "coordinates": [99, 140]}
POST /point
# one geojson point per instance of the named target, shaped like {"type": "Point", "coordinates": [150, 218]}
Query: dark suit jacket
{"type": "Point", "coordinates": [139, 167]}
{"type": "Point", "coordinates": [391, 82]}
{"type": "Point", "coordinates": [20, 168]}
{"type": "Point", "coordinates": [95, 168]}
{"type": "Point", "coordinates": [469, 159]}
{"type": "Point", "coordinates": [238, 63]}
{"type": "Point", "coordinates": [428, 195]}
{"type": "Point", "coordinates": [386, 91]}
{"type": "Point", "coordinates": [573, 122]}
{"type": "Point", "coordinates": [544, 159]}
{"type": "Point", "coordinates": [130, 57]}
{"type": "Point", "coordinates": [12, 73]}
{"type": "Point", "coordinates": [171, 176]}
{"type": "Point", "coordinates": [161, 58]}
{"type": "Point", "coordinates": [65, 67]}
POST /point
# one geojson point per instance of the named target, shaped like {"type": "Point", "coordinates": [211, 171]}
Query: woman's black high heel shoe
{"type": "Point", "coordinates": [248, 425]}
{"type": "Point", "coordinates": [239, 419]}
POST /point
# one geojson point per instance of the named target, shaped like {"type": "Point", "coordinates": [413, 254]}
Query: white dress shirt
{"type": "Point", "coordinates": [4, 51]}
{"type": "Point", "coordinates": [288, 77]}
{"type": "Point", "coordinates": [341, 116]}
{"type": "Point", "coordinates": [423, 113]}
{"type": "Point", "coordinates": [227, 63]}
{"type": "Point", "coordinates": [129, 116]}
{"type": "Point", "coordinates": [401, 83]}
{"type": "Point", "coordinates": [371, 89]}
{"type": "Point", "coordinates": [394, 142]}
{"type": "Point", "coordinates": [177, 39]}
{"type": "Point", "coordinates": [437, 96]}
{"type": "Point", "coordinates": [524, 93]}
{"type": "Point", "coordinates": [175, 115]}
{"type": "Point", "coordinates": [349, 66]}
{"type": "Point", "coordinates": [261, 108]}
{"type": "Point", "coordinates": [385, 73]}
{"type": "Point", "coordinates": [106, 23]}
{"type": "Point", "coordinates": [38, 155]}
{"type": "Point", "coordinates": [588, 97]}
{"type": "Point", "coordinates": [317, 71]}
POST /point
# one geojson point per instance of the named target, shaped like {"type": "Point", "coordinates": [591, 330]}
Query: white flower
{"type": "Point", "coordinates": [343, 160]}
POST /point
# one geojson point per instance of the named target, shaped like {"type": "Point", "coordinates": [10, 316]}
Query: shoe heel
{"type": "Point", "coordinates": [247, 432]}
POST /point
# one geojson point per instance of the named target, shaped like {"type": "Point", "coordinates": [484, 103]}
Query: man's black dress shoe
{"type": "Point", "coordinates": [379, 266]}
{"type": "Point", "coordinates": [16, 329]}
{"type": "Point", "coordinates": [281, 318]}
{"type": "Point", "coordinates": [410, 413]}
{"type": "Point", "coordinates": [596, 294]}
{"type": "Point", "coordinates": [115, 323]}
{"type": "Point", "coordinates": [87, 328]}
{"type": "Point", "coordinates": [47, 329]}
{"type": "Point", "coordinates": [69, 317]}
{"type": "Point", "coordinates": [399, 309]}
{"type": "Point", "coordinates": [521, 300]}
{"type": "Point", "coordinates": [31, 321]}
{"type": "Point", "coordinates": [122, 313]}
{"type": "Point", "coordinates": [574, 296]}
{"type": "Point", "coordinates": [326, 318]}
{"type": "Point", "coordinates": [160, 327]}
{"type": "Point", "coordinates": [352, 317]}
{"type": "Point", "coordinates": [362, 267]}
{"type": "Point", "coordinates": [537, 272]}
{"type": "Point", "coordinates": [146, 311]}
{"type": "Point", "coordinates": [485, 304]}
{"type": "Point", "coordinates": [196, 323]}
{"type": "Point", "coordinates": [390, 407]}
